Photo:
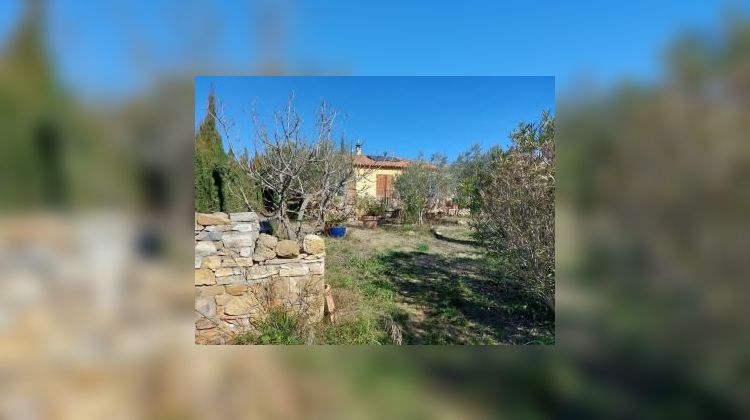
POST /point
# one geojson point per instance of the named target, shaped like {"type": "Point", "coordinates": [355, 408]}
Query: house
{"type": "Point", "coordinates": [376, 174]}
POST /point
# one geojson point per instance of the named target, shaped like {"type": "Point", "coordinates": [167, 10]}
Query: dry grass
{"type": "Point", "coordinates": [402, 284]}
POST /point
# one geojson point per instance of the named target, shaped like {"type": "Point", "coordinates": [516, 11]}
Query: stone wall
{"type": "Point", "coordinates": [241, 274]}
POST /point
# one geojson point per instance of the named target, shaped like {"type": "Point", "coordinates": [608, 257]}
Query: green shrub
{"type": "Point", "coordinates": [279, 327]}
{"type": "Point", "coordinates": [370, 206]}
{"type": "Point", "coordinates": [515, 220]}
{"type": "Point", "coordinates": [423, 186]}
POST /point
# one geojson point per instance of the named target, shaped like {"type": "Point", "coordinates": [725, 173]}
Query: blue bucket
{"type": "Point", "coordinates": [337, 231]}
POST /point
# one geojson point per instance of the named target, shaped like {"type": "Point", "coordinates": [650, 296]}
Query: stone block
{"type": "Point", "coordinates": [206, 306]}
{"type": "Point", "coordinates": [293, 270]}
{"type": "Point", "coordinates": [211, 262]}
{"type": "Point", "coordinates": [287, 249]}
{"type": "Point", "coordinates": [276, 262]}
{"type": "Point", "coordinates": [265, 248]}
{"type": "Point", "coordinates": [267, 241]}
{"type": "Point", "coordinates": [198, 262]}
{"type": "Point", "coordinates": [204, 277]}
{"type": "Point", "coordinates": [204, 324]}
{"type": "Point", "coordinates": [204, 291]}
{"type": "Point", "coordinates": [228, 271]}
{"type": "Point", "coordinates": [236, 289]}
{"type": "Point", "coordinates": [313, 244]}
{"type": "Point", "coordinates": [246, 227]}
{"type": "Point", "coordinates": [240, 239]}
{"type": "Point", "coordinates": [236, 262]}
{"type": "Point", "coordinates": [210, 336]}
{"type": "Point", "coordinates": [211, 219]}
{"type": "Point", "coordinates": [222, 299]}
{"type": "Point", "coordinates": [209, 235]}
{"type": "Point", "coordinates": [239, 305]}
{"type": "Point", "coordinates": [246, 252]}
{"type": "Point", "coordinates": [204, 248]}
{"type": "Point", "coordinates": [258, 272]}
{"type": "Point", "coordinates": [316, 268]}
{"type": "Point", "coordinates": [234, 279]}
{"type": "Point", "coordinates": [248, 216]}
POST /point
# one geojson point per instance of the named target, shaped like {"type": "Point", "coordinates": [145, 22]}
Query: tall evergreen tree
{"type": "Point", "coordinates": [220, 184]}
{"type": "Point", "coordinates": [209, 163]}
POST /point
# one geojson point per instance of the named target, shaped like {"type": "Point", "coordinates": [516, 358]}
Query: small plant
{"type": "Point", "coordinates": [370, 206]}
{"type": "Point", "coordinates": [423, 247]}
{"type": "Point", "coordinates": [335, 218]}
{"type": "Point", "coordinates": [279, 327]}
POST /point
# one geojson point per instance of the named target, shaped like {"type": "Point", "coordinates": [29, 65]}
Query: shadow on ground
{"type": "Point", "coordinates": [441, 236]}
{"type": "Point", "coordinates": [459, 300]}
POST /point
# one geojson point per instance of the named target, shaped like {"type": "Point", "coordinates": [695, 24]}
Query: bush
{"type": "Point", "coordinates": [370, 206]}
{"type": "Point", "coordinates": [516, 212]}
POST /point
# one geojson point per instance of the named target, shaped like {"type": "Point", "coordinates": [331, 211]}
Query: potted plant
{"type": "Point", "coordinates": [334, 224]}
{"type": "Point", "coordinates": [371, 209]}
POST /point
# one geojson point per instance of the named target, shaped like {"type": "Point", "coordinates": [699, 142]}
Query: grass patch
{"type": "Point", "coordinates": [401, 281]}
{"type": "Point", "coordinates": [279, 327]}
{"type": "Point", "coordinates": [359, 331]}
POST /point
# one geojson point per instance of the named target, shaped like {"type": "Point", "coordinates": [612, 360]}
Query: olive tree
{"type": "Point", "coordinates": [424, 186]}
{"type": "Point", "coordinates": [516, 212]}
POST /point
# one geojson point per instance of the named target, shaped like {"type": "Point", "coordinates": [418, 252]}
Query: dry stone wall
{"type": "Point", "coordinates": [241, 274]}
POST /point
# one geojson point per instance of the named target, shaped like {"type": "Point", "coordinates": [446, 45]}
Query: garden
{"type": "Point", "coordinates": [411, 269]}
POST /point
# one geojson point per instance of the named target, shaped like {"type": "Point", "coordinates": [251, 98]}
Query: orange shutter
{"type": "Point", "coordinates": [380, 186]}
{"type": "Point", "coordinates": [389, 186]}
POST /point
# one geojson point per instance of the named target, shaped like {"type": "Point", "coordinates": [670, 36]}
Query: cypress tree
{"type": "Point", "coordinates": [209, 163]}
{"type": "Point", "coordinates": [219, 179]}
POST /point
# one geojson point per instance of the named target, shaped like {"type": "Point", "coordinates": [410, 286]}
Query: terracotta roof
{"type": "Point", "coordinates": [379, 162]}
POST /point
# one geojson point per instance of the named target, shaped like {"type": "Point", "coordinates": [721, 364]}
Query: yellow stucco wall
{"type": "Point", "coordinates": [367, 184]}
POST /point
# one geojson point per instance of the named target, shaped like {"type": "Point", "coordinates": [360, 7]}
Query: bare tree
{"type": "Point", "coordinates": [303, 178]}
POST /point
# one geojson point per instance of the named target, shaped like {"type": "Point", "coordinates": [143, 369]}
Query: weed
{"type": "Point", "coordinates": [353, 332]}
{"type": "Point", "coordinates": [423, 247]}
{"type": "Point", "coordinates": [279, 327]}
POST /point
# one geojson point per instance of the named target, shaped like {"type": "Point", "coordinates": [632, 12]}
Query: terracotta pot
{"type": "Point", "coordinates": [370, 222]}
{"type": "Point", "coordinates": [329, 306]}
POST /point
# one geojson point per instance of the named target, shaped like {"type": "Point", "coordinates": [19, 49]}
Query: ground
{"type": "Point", "coordinates": [404, 284]}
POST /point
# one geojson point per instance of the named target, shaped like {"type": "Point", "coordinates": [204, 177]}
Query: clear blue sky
{"type": "Point", "coordinates": [401, 115]}
{"type": "Point", "coordinates": [120, 47]}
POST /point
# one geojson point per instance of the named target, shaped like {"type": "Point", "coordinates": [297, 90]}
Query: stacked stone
{"type": "Point", "coordinates": [240, 274]}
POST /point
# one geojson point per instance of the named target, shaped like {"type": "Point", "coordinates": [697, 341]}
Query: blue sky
{"type": "Point", "coordinates": [401, 115]}
{"type": "Point", "coordinates": [121, 47]}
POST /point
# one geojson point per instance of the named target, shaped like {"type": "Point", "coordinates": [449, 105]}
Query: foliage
{"type": "Point", "coordinates": [423, 247]}
{"type": "Point", "coordinates": [220, 184]}
{"type": "Point", "coordinates": [404, 293]}
{"type": "Point", "coordinates": [516, 212]}
{"type": "Point", "coordinates": [304, 177]}
{"type": "Point", "coordinates": [336, 216]}
{"type": "Point", "coordinates": [368, 205]}
{"type": "Point", "coordinates": [470, 169]}
{"type": "Point", "coordinates": [424, 186]}
{"type": "Point", "coordinates": [358, 331]}
{"type": "Point", "coordinates": [279, 327]}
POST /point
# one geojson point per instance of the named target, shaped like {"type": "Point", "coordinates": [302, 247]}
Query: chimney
{"type": "Point", "coordinates": [358, 148]}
